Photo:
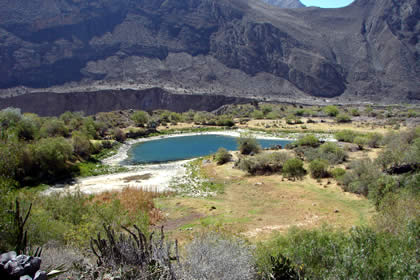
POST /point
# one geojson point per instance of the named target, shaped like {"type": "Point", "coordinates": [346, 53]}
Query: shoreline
{"type": "Point", "coordinates": [122, 155]}
{"type": "Point", "coordinates": [152, 177]}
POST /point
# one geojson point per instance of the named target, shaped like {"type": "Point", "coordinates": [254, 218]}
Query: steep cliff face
{"type": "Point", "coordinates": [289, 4]}
{"type": "Point", "coordinates": [367, 51]}
{"type": "Point", "coordinates": [54, 104]}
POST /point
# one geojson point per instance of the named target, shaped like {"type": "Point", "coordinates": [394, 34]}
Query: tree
{"type": "Point", "coordinates": [51, 155]}
{"type": "Point", "coordinates": [293, 168]}
{"type": "Point", "coordinates": [140, 118]}
{"type": "Point", "coordinates": [81, 144]}
{"type": "Point", "coordinates": [54, 128]}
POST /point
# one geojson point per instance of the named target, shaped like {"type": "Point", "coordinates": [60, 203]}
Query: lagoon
{"type": "Point", "coordinates": [187, 147]}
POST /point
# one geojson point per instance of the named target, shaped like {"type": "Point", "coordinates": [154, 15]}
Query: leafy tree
{"type": "Point", "coordinates": [81, 144]}
{"type": "Point", "coordinates": [10, 117]}
{"type": "Point", "coordinates": [10, 159]}
{"type": "Point", "coordinates": [52, 155]}
{"type": "Point", "coordinates": [140, 118]}
{"type": "Point", "coordinates": [54, 128]}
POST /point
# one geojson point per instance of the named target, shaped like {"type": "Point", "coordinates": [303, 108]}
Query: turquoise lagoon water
{"type": "Point", "coordinates": [186, 147]}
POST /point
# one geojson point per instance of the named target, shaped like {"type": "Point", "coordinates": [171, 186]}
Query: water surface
{"type": "Point", "coordinates": [187, 147]}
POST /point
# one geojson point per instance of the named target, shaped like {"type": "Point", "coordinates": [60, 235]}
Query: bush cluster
{"type": "Point", "coordinates": [265, 163]}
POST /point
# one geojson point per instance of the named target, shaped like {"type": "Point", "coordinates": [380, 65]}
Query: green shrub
{"type": "Point", "coordinates": [355, 112]}
{"type": "Point", "coordinates": [293, 168]}
{"type": "Point", "coordinates": [248, 145]}
{"type": "Point", "coordinates": [54, 128]}
{"type": "Point", "coordinates": [140, 118]}
{"type": "Point", "coordinates": [222, 156]}
{"type": "Point", "coordinates": [343, 118]}
{"type": "Point", "coordinates": [225, 121]}
{"type": "Point", "coordinates": [51, 156]}
{"type": "Point", "coordinates": [119, 135]}
{"type": "Point", "coordinates": [308, 140]}
{"type": "Point", "coordinates": [257, 114]}
{"type": "Point", "coordinates": [27, 129]}
{"type": "Point", "coordinates": [318, 169]}
{"type": "Point", "coordinates": [374, 140]}
{"type": "Point", "coordinates": [362, 177]}
{"type": "Point", "coordinates": [292, 119]}
{"type": "Point", "coordinates": [337, 173]}
{"type": "Point", "coordinates": [346, 136]}
{"type": "Point", "coordinates": [332, 153]}
{"type": "Point", "coordinates": [10, 117]}
{"type": "Point", "coordinates": [360, 253]}
{"type": "Point", "coordinates": [331, 110]}
{"type": "Point", "coordinates": [266, 163]}
{"type": "Point", "coordinates": [81, 144]}
{"type": "Point", "coordinates": [360, 141]}
{"type": "Point", "coordinates": [175, 118]}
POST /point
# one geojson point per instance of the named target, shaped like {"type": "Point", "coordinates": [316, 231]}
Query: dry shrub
{"type": "Point", "coordinates": [134, 200]}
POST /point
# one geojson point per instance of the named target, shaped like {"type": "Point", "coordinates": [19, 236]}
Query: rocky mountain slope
{"type": "Point", "coordinates": [368, 51]}
{"type": "Point", "coordinates": [289, 4]}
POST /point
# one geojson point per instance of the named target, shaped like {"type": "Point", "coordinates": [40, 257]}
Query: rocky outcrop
{"type": "Point", "coordinates": [289, 4]}
{"type": "Point", "coordinates": [14, 267]}
{"type": "Point", "coordinates": [368, 51]}
{"type": "Point", "coordinates": [54, 104]}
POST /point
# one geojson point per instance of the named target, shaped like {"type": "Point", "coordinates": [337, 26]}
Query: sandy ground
{"type": "Point", "coordinates": [156, 177]}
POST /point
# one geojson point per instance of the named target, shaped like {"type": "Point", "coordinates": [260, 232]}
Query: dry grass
{"type": "Point", "coordinates": [328, 126]}
{"type": "Point", "coordinates": [134, 200]}
{"type": "Point", "coordinates": [255, 207]}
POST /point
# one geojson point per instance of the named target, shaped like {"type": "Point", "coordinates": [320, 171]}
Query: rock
{"type": "Point", "coordinates": [40, 275]}
{"type": "Point", "coordinates": [258, 184]}
{"type": "Point", "coordinates": [32, 266]}
{"type": "Point", "coordinates": [4, 258]}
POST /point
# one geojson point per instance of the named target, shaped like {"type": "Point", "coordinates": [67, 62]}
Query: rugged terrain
{"type": "Point", "coordinates": [290, 4]}
{"type": "Point", "coordinates": [368, 51]}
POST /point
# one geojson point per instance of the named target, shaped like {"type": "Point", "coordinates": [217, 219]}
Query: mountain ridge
{"type": "Point", "coordinates": [368, 51]}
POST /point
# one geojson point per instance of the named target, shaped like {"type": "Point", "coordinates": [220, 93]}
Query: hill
{"type": "Point", "coordinates": [368, 51]}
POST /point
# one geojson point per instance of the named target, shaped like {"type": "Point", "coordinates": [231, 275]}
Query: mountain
{"type": "Point", "coordinates": [368, 51]}
{"type": "Point", "coordinates": [289, 4]}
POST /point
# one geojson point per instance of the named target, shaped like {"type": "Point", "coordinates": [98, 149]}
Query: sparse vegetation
{"type": "Point", "coordinates": [375, 234]}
